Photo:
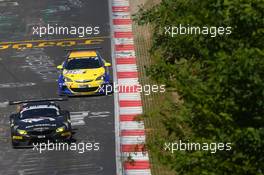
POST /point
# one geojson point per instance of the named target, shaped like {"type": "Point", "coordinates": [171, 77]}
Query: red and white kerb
{"type": "Point", "coordinates": [134, 155]}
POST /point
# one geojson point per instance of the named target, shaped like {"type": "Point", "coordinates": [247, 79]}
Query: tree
{"type": "Point", "coordinates": [220, 80]}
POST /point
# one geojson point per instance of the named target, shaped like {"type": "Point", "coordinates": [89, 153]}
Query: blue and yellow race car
{"type": "Point", "coordinates": [84, 72]}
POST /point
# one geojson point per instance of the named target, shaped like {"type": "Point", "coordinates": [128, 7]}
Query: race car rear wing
{"type": "Point", "coordinates": [37, 100]}
{"type": "Point", "coordinates": [80, 49]}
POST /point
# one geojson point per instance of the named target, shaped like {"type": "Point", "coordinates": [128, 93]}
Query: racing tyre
{"type": "Point", "coordinates": [15, 144]}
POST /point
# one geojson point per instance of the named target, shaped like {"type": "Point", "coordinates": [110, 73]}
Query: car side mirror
{"type": "Point", "coordinates": [60, 67]}
{"type": "Point", "coordinates": [107, 64]}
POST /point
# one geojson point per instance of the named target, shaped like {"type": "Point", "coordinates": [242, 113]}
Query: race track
{"type": "Point", "coordinates": [28, 71]}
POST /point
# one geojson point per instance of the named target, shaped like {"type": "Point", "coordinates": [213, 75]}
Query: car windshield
{"type": "Point", "coordinates": [41, 112]}
{"type": "Point", "coordinates": [83, 63]}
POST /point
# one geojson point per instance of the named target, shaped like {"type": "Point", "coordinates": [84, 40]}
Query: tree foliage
{"type": "Point", "coordinates": [220, 80]}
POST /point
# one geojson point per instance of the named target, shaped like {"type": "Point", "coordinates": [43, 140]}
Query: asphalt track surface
{"type": "Point", "coordinates": [31, 74]}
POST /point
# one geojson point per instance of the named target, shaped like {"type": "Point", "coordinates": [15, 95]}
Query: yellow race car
{"type": "Point", "coordinates": [84, 72]}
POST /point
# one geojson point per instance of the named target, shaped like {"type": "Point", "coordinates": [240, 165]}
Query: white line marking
{"type": "Point", "coordinates": [4, 104]}
{"type": "Point", "coordinates": [130, 110]}
{"type": "Point", "coordinates": [128, 81]}
{"type": "Point", "coordinates": [129, 96]}
{"type": "Point", "coordinates": [125, 54]}
{"type": "Point", "coordinates": [102, 114]}
{"type": "Point", "coordinates": [128, 140]}
{"type": "Point", "coordinates": [138, 172]}
{"type": "Point", "coordinates": [77, 118]}
{"type": "Point", "coordinates": [132, 125]}
{"type": "Point", "coordinates": [136, 156]}
{"type": "Point", "coordinates": [127, 68]}
{"type": "Point", "coordinates": [124, 41]}
{"type": "Point", "coordinates": [16, 85]}
{"type": "Point", "coordinates": [123, 28]}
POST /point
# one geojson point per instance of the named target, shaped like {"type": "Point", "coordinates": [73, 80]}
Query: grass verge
{"type": "Point", "coordinates": [142, 37]}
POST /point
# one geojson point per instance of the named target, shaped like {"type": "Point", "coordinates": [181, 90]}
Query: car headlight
{"type": "Point", "coordinates": [66, 79]}
{"type": "Point", "coordinates": [22, 132]}
{"type": "Point", "coordinates": [60, 129]}
{"type": "Point", "coordinates": [100, 78]}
